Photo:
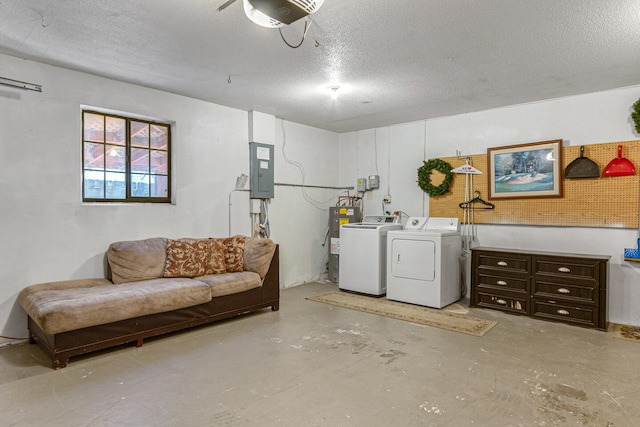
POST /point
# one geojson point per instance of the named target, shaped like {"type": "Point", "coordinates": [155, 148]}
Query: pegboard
{"type": "Point", "coordinates": [610, 202]}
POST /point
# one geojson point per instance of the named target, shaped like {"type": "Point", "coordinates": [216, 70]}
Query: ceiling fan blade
{"type": "Point", "coordinates": [226, 5]}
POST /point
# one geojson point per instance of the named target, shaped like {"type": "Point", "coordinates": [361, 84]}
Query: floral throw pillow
{"type": "Point", "coordinates": [217, 256]}
{"type": "Point", "coordinates": [185, 258]}
{"type": "Point", "coordinates": [235, 253]}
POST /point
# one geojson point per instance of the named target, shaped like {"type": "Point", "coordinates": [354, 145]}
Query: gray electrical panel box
{"type": "Point", "coordinates": [261, 170]}
{"type": "Point", "coordinates": [339, 216]}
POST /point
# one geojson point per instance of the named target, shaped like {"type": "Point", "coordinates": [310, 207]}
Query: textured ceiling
{"type": "Point", "coordinates": [396, 61]}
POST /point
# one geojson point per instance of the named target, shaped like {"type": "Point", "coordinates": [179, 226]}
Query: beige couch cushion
{"type": "Point", "coordinates": [231, 283]}
{"type": "Point", "coordinates": [75, 304]}
{"type": "Point", "coordinates": [136, 260]}
{"type": "Point", "coordinates": [257, 255]}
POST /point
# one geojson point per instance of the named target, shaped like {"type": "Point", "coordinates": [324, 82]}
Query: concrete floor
{"type": "Point", "coordinates": [312, 364]}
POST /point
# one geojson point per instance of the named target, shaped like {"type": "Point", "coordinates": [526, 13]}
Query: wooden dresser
{"type": "Point", "coordinates": [560, 287]}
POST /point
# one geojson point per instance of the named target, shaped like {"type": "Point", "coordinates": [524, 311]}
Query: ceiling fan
{"type": "Point", "coordinates": [276, 13]}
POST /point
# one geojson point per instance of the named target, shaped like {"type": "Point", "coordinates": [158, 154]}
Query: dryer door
{"type": "Point", "coordinates": [413, 259]}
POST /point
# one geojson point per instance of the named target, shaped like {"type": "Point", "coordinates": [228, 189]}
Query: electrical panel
{"type": "Point", "coordinates": [339, 216]}
{"type": "Point", "coordinates": [261, 170]}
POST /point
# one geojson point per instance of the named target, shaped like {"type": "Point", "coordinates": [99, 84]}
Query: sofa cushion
{"type": "Point", "coordinates": [217, 259]}
{"type": "Point", "coordinates": [257, 255]}
{"type": "Point", "coordinates": [231, 283]}
{"type": "Point", "coordinates": [186, 258]}
{"type": "Point", "coordinates": [235, 253]}
{"type": "Point", "coordinates": [136, 260]}
{"type": "Point", "coordinates": [69, 305]}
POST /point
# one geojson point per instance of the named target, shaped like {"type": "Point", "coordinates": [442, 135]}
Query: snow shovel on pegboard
{"type": "Point", "coordinates": [619, 166]}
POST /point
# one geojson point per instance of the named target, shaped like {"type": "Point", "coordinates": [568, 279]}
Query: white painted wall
{"type": "Point", "coordinates": [301, 216]}
{"type": "Point", "coordinates": [48, 234]}
{"type": "Point", "coordinates": [395, 153]}
{"type": "Point", "coordinates": [586, 119]}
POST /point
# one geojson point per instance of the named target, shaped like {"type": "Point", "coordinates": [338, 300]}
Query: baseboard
{"type": "Point", "coordinates": [9, 343]}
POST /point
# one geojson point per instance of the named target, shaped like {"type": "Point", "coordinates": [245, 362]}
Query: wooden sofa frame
{"type": "Point", "coordinates": [60, 347]}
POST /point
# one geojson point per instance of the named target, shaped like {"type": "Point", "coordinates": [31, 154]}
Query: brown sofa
{"type": "Point", "coordinates": [155, 286]}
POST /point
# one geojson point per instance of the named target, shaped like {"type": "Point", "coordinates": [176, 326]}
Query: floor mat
{"type": "Point", "coordinates": [456, 308]}
{"type": "Point", "coordinates": [625, 332]}
{"type": "Point", "coordinates": [408, 312]}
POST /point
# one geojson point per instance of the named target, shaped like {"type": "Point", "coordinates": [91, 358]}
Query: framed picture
{"type": "Point", "coordinates": [525, 170]}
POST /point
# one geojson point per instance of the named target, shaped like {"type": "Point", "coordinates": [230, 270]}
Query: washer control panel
{"type": "Point", "coordinates": [381, 219]}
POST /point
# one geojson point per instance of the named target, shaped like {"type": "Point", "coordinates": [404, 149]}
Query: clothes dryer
{"type": "Point", "coordinates": [423, 262]}
{"type": "Point", "coordinates": [363, 254]}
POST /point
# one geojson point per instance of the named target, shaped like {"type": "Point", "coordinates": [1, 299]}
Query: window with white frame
{"type": "Point", "coordinates": [125, 159]}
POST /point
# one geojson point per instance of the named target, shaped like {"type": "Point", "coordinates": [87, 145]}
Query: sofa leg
{"type": "Point", "coordinates": [60, 362]}
{"type": "Point", "coordinates": [139, 342]}
{"type": "Point", "coordinates": [275, 307]}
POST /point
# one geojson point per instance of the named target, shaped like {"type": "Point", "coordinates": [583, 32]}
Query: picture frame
{"type": "Point", "coordinates": [525, 170]}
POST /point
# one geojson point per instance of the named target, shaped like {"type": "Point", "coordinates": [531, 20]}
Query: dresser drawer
{"type": "Point", "coordinates": [568, 267]}
{"type": "Point", "coordinates": [486, 280]}
{"type": "Point", "coordinates": [502, 302]}
{"type": "Point", "coordinates": [575, 292]}
{"type": "Point", "coordinates": [566, 313]}
{"type": "Point", "coordinates": [504, 262]}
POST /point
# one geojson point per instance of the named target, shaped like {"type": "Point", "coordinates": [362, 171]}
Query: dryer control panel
{"type": "Point", "coordinates": [451, 224]}
{"type": "Point", "coordinates": [416, 223]}
{"type": "Point", "coordinates": [433, 223]}
{"type": "Point", "coordinates": [381, 219]}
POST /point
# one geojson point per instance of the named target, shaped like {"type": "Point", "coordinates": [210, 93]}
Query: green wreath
{"type": "Point", "coordinates": [635, 115]}
{"type": "Point", "coordinates": [424, 177]}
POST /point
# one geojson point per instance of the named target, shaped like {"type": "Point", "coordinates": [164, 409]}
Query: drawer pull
{"type": "Point", "coordinates": [563, 312]}
{"type": "Point", "coordinates": [501, 282]}
{"type": "Point", "coordinates": [564, 269]}
{"type": "Point", "coordinates": [501, 301]}
{"type": "Point", "coordinates": [502, 263]}
{"type": "Point", "coordinates": [564, 291]}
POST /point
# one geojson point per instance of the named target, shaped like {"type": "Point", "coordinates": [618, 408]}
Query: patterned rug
{"type": "Point", "coordinates": [631, 333]}
{"type": "Point", "coordinates": [456, 308]}
{"type": "Point", "coordinates": [410, 313]}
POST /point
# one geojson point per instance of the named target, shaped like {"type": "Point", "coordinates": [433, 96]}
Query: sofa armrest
{"type": "Point", "coordinates": [258, 255]}
{"type": "Point", "coordinates": [271, 283]}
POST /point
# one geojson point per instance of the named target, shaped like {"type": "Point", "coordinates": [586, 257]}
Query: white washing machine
{"type": "Point", "coordinates": [363, 254]}
{"type": "Point", "coordinates": [423, 262]}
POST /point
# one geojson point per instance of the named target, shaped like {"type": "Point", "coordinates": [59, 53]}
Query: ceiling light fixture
{"type": "Point", "coordinates": [334, 91]}
{"type": "Point", "coordinates": [278, 13]}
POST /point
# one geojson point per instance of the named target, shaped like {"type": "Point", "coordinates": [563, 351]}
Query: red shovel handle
{"type": "Point", "coordinates": [619, 151]}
